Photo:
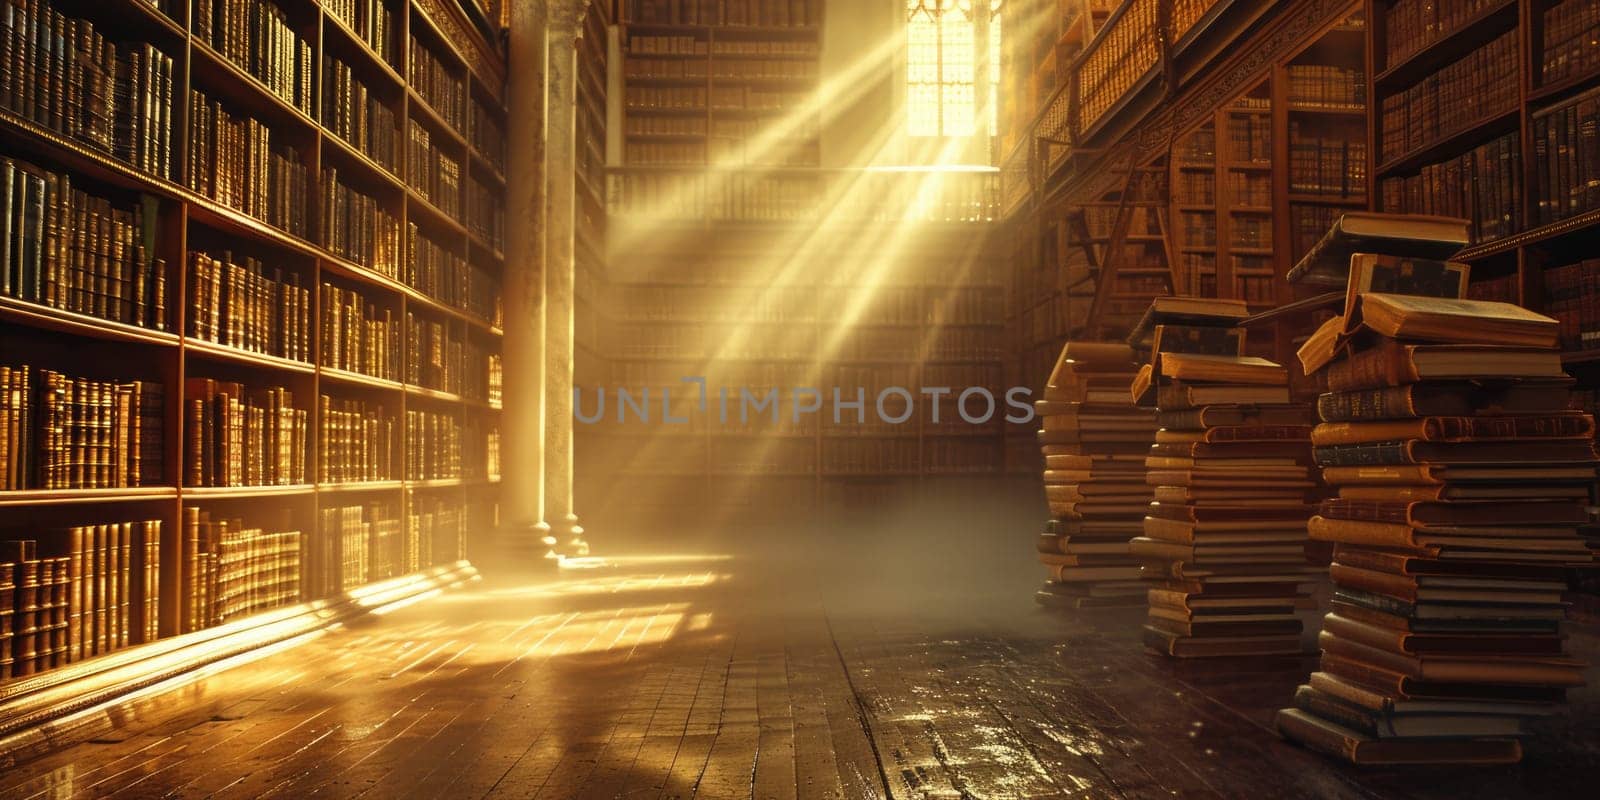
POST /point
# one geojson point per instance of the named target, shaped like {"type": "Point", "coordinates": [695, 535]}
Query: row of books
{"type": "Point", "coordinates": [244, 306]}
{"type": "Point", "coordinates": [679, 153]}
{"type": "Point", "coordinates": [234, 161]}
{"type": "Point", "coordinates": [238, 436]}
{"type": "Point", "coordinates": [1411, 25]}
{"type": "Point", "coordinates": [433, 445]}
{"type": "Point", "coordinates": [73, 593]}
{"type": "Point", "coordinates": [1483, 186]}
{"type": "Point", "coordinates": [1308, 223]}
{"type": "Point", "coordinates": [357, 227]}
{"type": "Point", "coordinates": [1504, 288]}
{"type": "Point", "coordinates": [1566, 139]}
{"type": "Point", "coordinates": [757, 129]}
{"type": "Point", "coordinates": [1572, 297]}
{"type": "Point", "coordinates": [1323, 86]}
{"type": "Point", "coordinates": [63, 73]}
{"type": "Point", "coordinates": [230, 570]}
{"type": "Point", "coordinates": [781, 69]}
{"type": "Point", "coordinates": [1250, 138]}
{"type": "Point", "coordinates": [359, 544]}
{"type": "Point", "coordinates": [433, 174]}
{"type": "Point", "coordinates": [664, 67]}
{"type": "Point", "coordinates": [1199, 147]}
{"type": "Point", "coordinates": [258, 37]}
{"type": "Point", "coordinates": [752, 198]}
{"type": "Point", "coordinates": [355, 442]}
{"type": "Point", "coordinates": [750, 98]}
{"type": "Point", "coordinates": [486, 135]}
{"type": "Point", "coordinates": [666, 126]}
{"type": "Point", "coordinates": [485, 216]}
{"type": "Point", "coordinates": [1462, 491]}
{"type": "Point", "coordinates": [1570, 30]}
{"type": "Point", "coordinates": [762, 13]}
{"type": "Point", "coordinates": [1122, 55]}
{"type": "Point", "coordinates": [1461, 94]}
{"type": "Point", "coordinates": [1249, 189]}
{"type": "Point", "coordinates": [371, 21]}
{"type": "Point", "coordinates": [68, 249]}
{"type": "Point", "coordinates": [439, 85]}
{"type": "Point", "coordinates": [433, 355]}
{"type": "Point", "coordinates": [439, 526]}
{"type": "Point", "coordinates": [480, 453]}
{"type": "Point", "coordinates": [353, 113]}
{"type": "Point", "coordinates": [673, 97]}
{"type": "Point", "coordinates": [1327, 166]}
{"type": "Point", "coordinates": [62, 432]}
{"type": "Point", "coordinates": [347, 538]}
{"type": "Point", "coordinates": [1195, 188]}
{"type": "Point", "coordinates": [1199, 229]}
{"type": "Point", "coordinates": [442, 274]}
{"type": "Point", "coordinates": [725, 46]}
{"type": "Point", "coordinates": [356, 336]}
{"type": "Point", "coordinates": [666, 45]}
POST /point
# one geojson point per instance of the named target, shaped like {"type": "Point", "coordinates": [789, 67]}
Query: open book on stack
{"type": "Point", "coordinates": [1224, 542]}
{"type": "Point", "coordinates": [1462, 484]}
{"type": "Point", "coordinates": [1094, 440]}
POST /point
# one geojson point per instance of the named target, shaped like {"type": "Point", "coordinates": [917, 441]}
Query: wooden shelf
{"type": "Point", "coordinates": [257, 99]}
{"type": "Point", "coordinates": [357, 379]}
{"type": "Point", "coordinates": [434, 121]}
{"type": "Point", "coordinates": [236, 492]}
{"type": "Point", "coordinates": [1479, 30]}
{"type": "Point", "coordinates": [1453, 143]}
{"type": "Point", "coordinates": [359, 487]}
{"type": "Point", "coordinates": [222, 352]}
{"type": "Point", "coordinates": [33, 498]}
{"type": "Point", "coordinates": [46, 318]}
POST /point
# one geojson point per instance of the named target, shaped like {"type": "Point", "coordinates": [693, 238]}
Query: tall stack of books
{"type": "Point", "coordinates": [1462, 481]}
{"type": "Point", "coordinates": [1093, 439]}
{"type": "Point", "coordinates": [1224, 543]}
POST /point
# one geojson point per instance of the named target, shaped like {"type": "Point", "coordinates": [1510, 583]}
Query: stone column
{"type": "Point", "coordinates": [560, 164]}
{"type": "Point", "coordinates": [523, 530]}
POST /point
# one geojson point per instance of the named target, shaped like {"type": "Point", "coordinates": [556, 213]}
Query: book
{"type": "Point", "coordinates": [1444, 320]}
{"type": "Point", "coordinates": [1446, 399]}
{"type": "Point", "coordinates": [1392, 363]}
{"type": "Point", "coordinates": [1407, 235]}
{"type": "Point", "coordinates": [1339, 741]}
{"type": "Point", "coordinates": [1187, 310]}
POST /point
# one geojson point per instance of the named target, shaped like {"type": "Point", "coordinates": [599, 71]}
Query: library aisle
{"type": "Point", "coordinates": [724, 675]}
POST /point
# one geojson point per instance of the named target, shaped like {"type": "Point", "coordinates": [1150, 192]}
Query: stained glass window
{"type": "Point", "coordinates": [942, 66]}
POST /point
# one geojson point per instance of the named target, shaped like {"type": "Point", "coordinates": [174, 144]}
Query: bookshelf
{"type": "Point", "coordinates": [700, 88]}
{"type": "Point", "coordinates": [1510, 159]}
{"type": "Point", "coordinates": [351, 291]}
{"type": "Point", "coordinates": [740, 315]}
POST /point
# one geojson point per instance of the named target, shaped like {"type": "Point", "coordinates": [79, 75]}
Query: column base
{"type": "Point", "coordinates": [570, 539]}
{"type": "Point", "coordinates": [523, 548]}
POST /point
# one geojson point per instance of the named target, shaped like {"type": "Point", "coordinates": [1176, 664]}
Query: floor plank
{"type": "Point", "coordinates": [751, 678]}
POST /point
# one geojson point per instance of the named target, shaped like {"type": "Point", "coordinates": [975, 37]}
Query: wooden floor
{"type": "Point", "coordinates": [887, 674]}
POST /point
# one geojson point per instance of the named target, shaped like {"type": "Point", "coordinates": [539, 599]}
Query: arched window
{"type": "Point", "coordinates": [944, 56]}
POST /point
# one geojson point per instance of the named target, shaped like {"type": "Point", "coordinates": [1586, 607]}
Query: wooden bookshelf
{"type": "Point", "coordinates": [187, 220]}
{"type": "Point", "coordinates": [709, 92]}
{"type": "Point", "coordinates": [1534, 252]}
{"type": "Point", "coordinates": [688, 309]}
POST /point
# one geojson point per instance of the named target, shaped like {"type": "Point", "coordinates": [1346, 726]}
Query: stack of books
{"type": "Point", "coordinates": [1093, 439]}
{"type": "Point", "coordinates": [1462, 483]}
{"type": "Point", "coordinates": [1224, 543]}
